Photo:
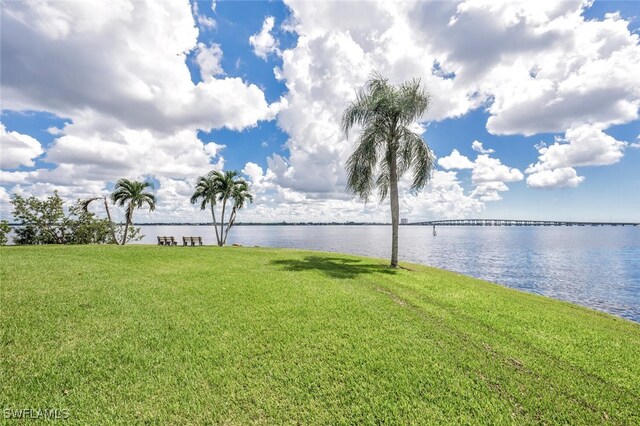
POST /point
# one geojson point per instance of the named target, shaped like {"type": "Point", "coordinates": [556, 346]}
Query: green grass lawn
{"type": "Point", "coordinates": [181, 335]}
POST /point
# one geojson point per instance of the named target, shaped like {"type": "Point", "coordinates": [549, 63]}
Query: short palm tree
{"type": "Point", "coordinates": [240, 195]}
{"type": "Point", "coordinates": [131, 194]}
{"type": "Point", "coordinates": [386, 147]}
{"type": "Point", "coordinates": [207, 192]}
{"type": "Point", "coordinates": [222, 187]}
{"type": "Point", "coordinates": [225, 182]}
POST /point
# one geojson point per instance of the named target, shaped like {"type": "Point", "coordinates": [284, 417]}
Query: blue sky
{"type": "Point", "coordinates": [169, 90]}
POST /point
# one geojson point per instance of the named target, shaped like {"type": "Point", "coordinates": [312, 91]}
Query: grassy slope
{"type": "Point", "coordinates": [199, 335]}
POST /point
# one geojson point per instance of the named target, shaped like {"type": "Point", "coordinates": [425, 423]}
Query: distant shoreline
{"type": "Point", "coordinates": [560, 223]}
{"type": "Point", "coordinates": [257, 224]}
{"type": "Point", "coordinates": [632, 224]}
{"type": "Point", "coordinates": [269, 224]}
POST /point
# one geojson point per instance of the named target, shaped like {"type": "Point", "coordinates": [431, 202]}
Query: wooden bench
{"type": "Point", "coordinates": [167, 241]}
{"type": "Point", "coordinates": [191, 241]}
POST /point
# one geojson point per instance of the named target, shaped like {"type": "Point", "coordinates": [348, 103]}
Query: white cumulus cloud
{"type": "Point", "coordinates": [488, 169]}
{"type": "Point", "coordinates": [117, 73]}
{"type": "Point", "coordinates": [488, 174]}
{"type": "Point", "coordinates": [208, 59]}
{"type": "Point", "coordinates": [135, 74]}
{"type": "Point", "coordinates": [555, 178]}
{"type": "Point", "coordinates": [263, 42]}
{"type": "Point", "coordinates": [204, 21]}
{"type": "Point", "coordinates": [477, 146]}
{"type": "Point", "coordinates": [583, 145]}
{"type": "Point", "coordinates": [17, 149]}
{"type": "Point", "coordinates": [455, 160]}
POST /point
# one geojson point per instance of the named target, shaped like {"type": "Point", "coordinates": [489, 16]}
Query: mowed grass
{"type": "Point", "coordinates": [177, 335]}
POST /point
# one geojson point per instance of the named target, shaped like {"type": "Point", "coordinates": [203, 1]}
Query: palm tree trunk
{"type": "Point", "coordinates": [232, 219]}
{"type": "Point", "coordinates": [126, 229]}
{"type": "Point", "coordinates": [113, 229]}
{"type": "Point", "coordinates": [395, 208]}
{"type": "Point", "coordinates": [224, 205]}
{"type": "Point", "coordinates": [215, 223]}
{"type": "Point", "coordinates": [126, 226]}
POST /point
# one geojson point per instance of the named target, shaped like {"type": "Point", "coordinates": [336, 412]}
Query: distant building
{"type": "Point", "coordinates": [404, 221]}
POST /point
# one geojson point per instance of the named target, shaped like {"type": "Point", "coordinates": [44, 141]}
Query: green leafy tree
{"type": "Point", "coordinates": [4, 231]}
{"type": "Point", "coordinates": [27, 235]}
{"type": "Point", "coordinates": [224, 188]}
{"type": "Point", "coordinates": [132, 195]}
{"type": "Point", "coordinates": [134, 233]}
{"type": "Point", "coordinates": [386, 147]}
{"type": "Point", "coordinates": [86, 228]}
{"type": "Point", "coordinates": [42, 221]}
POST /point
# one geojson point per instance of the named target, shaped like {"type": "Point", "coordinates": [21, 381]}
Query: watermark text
{"type": "Point", "coordinates": [36, 413]}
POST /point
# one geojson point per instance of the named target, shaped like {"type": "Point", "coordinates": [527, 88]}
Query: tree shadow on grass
{"type": "Point", "coordinates": [335, 267]}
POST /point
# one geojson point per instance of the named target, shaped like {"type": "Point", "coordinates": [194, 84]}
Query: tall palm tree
{"type": "Point", "coordinates": [132, 194]}
{"type": "Point", "coordinates": [207, 192]}
{"type": "Point", "coordinates": [386, 147]}
{"type": "Point", "coordinates": [240, 195]}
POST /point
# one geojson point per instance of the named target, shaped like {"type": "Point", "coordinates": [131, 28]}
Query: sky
{"type": "Point", "coordinates": [533, 115]}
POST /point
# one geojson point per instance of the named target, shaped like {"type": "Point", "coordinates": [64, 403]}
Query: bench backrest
{"type": "Point", "coordinates": [191, 241]}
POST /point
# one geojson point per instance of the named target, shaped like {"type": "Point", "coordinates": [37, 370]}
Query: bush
{"type": "Point", "coordinates": [45, 222]}
{"type": "Point", "coordinates": [4, 230]}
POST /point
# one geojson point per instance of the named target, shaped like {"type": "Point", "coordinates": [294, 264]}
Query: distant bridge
{"type": "Point", "coordinates": [512, 222]}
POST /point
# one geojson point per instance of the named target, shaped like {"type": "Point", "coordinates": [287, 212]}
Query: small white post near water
{"type": "Point", "coordinates": [434, 231]}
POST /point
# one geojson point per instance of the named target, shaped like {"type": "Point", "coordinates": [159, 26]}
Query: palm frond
{"type": "Point", "coordinates": [413, 101]}
{"type": "Point", "coordinates": [421, 159]}
{"type": "Point", "coordinates": [385, 112]}
{"type": "Point", "coordinates": [133, 195]}
{"type": "Point", "coordinates": [84, 204]}
{"type": "Point", "coordinates": [358, 112]}
{"type": "Point", "coordinates": [362, 163]}
{"type": "Point", "coordinates": [384, 179]}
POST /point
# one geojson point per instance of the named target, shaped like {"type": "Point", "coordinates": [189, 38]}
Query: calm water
{"type": "Point", "coordinates": [597, 267]}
